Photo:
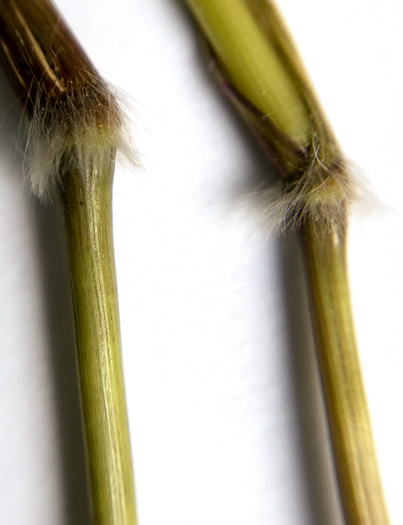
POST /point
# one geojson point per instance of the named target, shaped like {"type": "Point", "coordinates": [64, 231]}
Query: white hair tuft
{"type": "Point", "coordinates": [77, 131]}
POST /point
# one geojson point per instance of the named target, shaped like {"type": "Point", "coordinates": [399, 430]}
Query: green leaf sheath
{"type": "Point", "coordinates": [346, 405]}
{"type": "Point", "coordinates": [88, 221]}
{"type": "Point", "coordinates": [232, 31]}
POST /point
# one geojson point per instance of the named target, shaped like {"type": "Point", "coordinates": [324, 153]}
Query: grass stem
{"type": "Point", "coordinates": [75, 129]}
{"type": "Point", "coordinates": [258, 68]}
{"type": "Point", "coordinates": [87, 209]}
{"type": "Point", "coordinates": [357, 472]}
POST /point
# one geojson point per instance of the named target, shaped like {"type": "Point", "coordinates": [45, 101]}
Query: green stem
{"type": "Point", "coordinates": [87, 206]}
{"type": "Point", "coordinates": [348, 418]}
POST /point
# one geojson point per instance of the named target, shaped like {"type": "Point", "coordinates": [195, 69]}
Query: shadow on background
{"type": "Point", "coordinates": [319, 482]}
{"type": "Point", "coordinates": [56, 289]}
{"type": "Point", "coordinates": [47, 228]}
{"type": "Point", "coordinates": [314, 444]}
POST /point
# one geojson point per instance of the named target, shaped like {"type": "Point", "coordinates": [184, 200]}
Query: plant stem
{"type": "Point", "coordinates": [87, 207]}
{"type": "Point", "coordinates": [348, 418]}
{"type": "Point", "coordinates": [75, 128]}
{"type": "Point", "coordinates": [257, 66]}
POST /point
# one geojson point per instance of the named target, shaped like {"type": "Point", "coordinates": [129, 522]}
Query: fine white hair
{"type": "Point", "coordinates": [79, 130]}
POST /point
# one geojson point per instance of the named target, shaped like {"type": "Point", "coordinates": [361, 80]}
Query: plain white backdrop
{"type": "Point", "coordinates": [224, 403]}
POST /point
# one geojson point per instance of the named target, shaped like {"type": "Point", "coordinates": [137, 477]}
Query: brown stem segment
{"type": "Point", "coordinates": [39, 52]}
{"type": "Point", "coordinates": [88, 221]}
{"type": "Point", "coordinates": [348, 418]}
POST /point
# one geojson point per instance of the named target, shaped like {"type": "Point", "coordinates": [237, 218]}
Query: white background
{"type": "Point", "coordinates": [225, 410]}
